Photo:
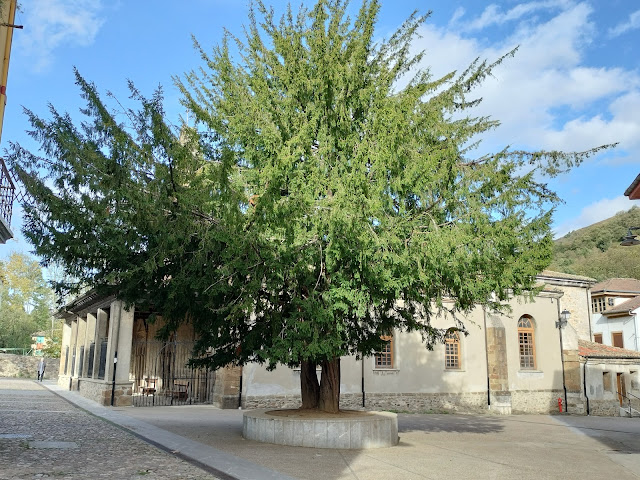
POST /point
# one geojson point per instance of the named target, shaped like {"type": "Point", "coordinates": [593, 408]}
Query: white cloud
{"type": "Point", "coordinates": [596, 212]}
{"type": "Point", "coordinates": [631, 24]}
{"type": "Point", "coordinates": [55, 23]}
{"type": "Point", "coordinates": [493, 15]}
{"type": "Point", "coordinates": [546, 96]}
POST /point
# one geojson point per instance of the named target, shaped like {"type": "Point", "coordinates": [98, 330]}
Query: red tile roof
{"type": "Point", "coordinates": [624, 307]}
{"type": "Point", "coordinates": [597, 350]}
{"type": "Point", "coordinates": [620, 285]}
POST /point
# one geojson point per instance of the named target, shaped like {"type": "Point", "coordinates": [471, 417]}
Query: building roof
{"type": "Point", "coordinates": [633, 190]}
{"type": "Point", "coordinates": [624, 307]}
{"type": "Point", "coordinates": [565, 276]}
{"type": "Point", "coordinates": [618, 285]}
{"type": "Point", "coordinates": [597, 350]}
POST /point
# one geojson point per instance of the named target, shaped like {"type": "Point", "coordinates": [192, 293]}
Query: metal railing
{"type": "Point", "coordinates": [628, 401]}
{"type": "Point", "coordinates": [7, 193]}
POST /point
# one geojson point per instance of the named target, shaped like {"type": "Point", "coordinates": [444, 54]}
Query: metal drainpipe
{"type": "Point", "coordinates": [362, 377]}
{"type": "Point", "coordinates": [486, 355]}
{"type": "Point", "coordinates": [589, 316]}
{"type": "Point", "coordinates": [584, 382]}
{"type": "Point", "coordinates": [240, 391]}
{"type": "Point", "coordinates": [564, 386]}
{"type": "Point", "coordinates": [115, 355]}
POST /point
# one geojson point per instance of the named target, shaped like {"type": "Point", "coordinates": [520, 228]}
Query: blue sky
{"type": "Point", "coordinates": [574, 83]}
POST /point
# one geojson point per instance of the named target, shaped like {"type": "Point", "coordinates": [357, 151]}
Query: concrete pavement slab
{"type": "Point", "coordinates": [223, 463]}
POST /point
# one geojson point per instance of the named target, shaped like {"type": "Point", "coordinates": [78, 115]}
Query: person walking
{"type": "Point", "coordinates": [42, 365]}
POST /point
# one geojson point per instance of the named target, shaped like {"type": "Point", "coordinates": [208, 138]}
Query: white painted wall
{"type": "Point", "coordinates": [628, 325]}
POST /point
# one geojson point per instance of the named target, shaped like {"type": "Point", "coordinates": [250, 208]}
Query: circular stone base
{"type": "Point", "coordinates": [346, 430]}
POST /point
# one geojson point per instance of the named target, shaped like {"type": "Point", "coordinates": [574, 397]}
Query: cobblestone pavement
{"type": "Point", "coordinates": [44, 436]}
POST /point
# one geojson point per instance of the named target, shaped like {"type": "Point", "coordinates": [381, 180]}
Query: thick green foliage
{"type": "Point", "coordinates": [25, 301]}
{"type": "Point", "coordinates": [326, 196]}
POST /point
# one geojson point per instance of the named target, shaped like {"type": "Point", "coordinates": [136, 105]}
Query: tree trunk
{"type": "Point", "coordinates": [330, 386]}
{"type": "Point", "coordinates": [309, 385]}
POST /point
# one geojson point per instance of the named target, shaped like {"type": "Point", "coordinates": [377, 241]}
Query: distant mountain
{"type": "Point", "coordinates": [595, 250]}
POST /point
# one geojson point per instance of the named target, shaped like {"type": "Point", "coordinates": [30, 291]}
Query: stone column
{"type": "Point", "coordinates": [227, 387]}
{"type": "Point", "coordinates": [125, 339]}
{"type": "Point", "coordinates": [114, 324]}
{"type": "Point", "coordinates": [89, 340]}
{"type": "Point", "coordinates": [497, 366]}
{"type": "Point", "coordinates": [100, 334]}
{"type": "Point", "coordinates": [74, 345]}
{"type": "Point", "coordinates": [81, 346]}
{"type": "Point", "coordinates": [120, 338]}
{"type": "Point", "coordinates": [65, 343]}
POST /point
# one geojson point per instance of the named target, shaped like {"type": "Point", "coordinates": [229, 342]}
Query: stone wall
{"type": "Point", "coordinates": [23, 366]}
{"type": "Point", "coordinates": [410, 402]}
{"type": "Point", "coordinates": [98, 390]}
{"type": "Point", "coordinates": [536, 401]}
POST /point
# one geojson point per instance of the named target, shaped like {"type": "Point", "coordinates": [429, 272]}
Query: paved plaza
{"type": "Point", "coordinates": [44, 436]}
{"type": "Point", "coordinates": [48, 432]}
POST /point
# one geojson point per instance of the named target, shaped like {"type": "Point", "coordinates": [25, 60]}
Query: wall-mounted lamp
{"type": "Point", "coordinates": [564, 319]}
{"type": "Point", "coordinates": [630, 239]}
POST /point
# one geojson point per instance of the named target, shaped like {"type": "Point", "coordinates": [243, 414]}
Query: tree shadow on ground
{"type": "Point", "coordinates": [438, 423]}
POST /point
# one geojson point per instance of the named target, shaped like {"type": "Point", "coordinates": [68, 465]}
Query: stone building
{"type": "Point", "coordinates": [508, 363]}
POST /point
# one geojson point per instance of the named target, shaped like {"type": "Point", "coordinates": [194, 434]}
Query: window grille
{"type": "Point", "coordinates": [452, 351]}
{"type": "Point", "coordinates": [384, 358]}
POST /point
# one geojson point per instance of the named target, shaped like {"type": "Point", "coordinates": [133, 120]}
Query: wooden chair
{"type": "Point", "coordinates": [180, 390]}
{"type": "Point", "coordinates": [149, 386]}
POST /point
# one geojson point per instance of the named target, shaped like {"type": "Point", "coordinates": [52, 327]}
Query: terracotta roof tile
{"type": "Point", "coordinates": [567, 276]}
{"type": "Point", "coordinates": [623, 285]}
{"type": "Point", "coordinates": [592, 349]}
{"type": "Point", "coordinates": [624, 307]}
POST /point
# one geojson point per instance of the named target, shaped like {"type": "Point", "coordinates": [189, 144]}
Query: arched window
{"type": "Point", "coordinates": [452, 351]}
{"type": "Point", "coordinates": [526, 339]}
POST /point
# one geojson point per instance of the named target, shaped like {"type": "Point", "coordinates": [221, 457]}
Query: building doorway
{"type": "Point", "coordinates": [622, 390]}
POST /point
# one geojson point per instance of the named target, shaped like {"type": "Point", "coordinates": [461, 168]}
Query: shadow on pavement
{"type": "Point", "coordinates": [618, 434]}
{"type": "Point", "coordinates": [438, 423]}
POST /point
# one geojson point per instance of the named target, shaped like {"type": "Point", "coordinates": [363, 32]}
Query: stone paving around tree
{"type": "Point", "coordinates": [44, 436]}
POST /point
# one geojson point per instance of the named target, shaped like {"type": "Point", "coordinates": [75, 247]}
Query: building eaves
{"type": "Point", "coordinates": [617, 285]}
{"type": "Point", "coordinates": [565, 279]}
{"type": "Point", "coordinates": [624, 308]}
{"type": "Point", "coordinates": [632, 190]}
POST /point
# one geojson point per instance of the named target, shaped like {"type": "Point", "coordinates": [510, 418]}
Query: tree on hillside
{"type": "Point", "coordinates": [25, 301]}
{"type": "Point", "coordinates": [595, 251]}
{"type": "Point", "coordinates": [327, 196]}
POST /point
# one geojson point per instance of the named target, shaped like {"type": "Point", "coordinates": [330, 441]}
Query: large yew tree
{"type": "Point", "coordinates": [326, 195]}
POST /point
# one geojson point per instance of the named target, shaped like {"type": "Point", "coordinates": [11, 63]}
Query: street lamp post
{"type": "Point", "coordinates": [563, 319]}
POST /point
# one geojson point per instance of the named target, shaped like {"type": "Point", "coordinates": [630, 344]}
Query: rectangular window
{"type": "Point", "coordinates": [610, 302]}
{"type": "Point", "coordinates": [384, 358]}
{"type": "Point", "coordinates": [606, 381]}
{"type": "Point", "coordinates": [452, 351]}
{"type": "Point", "coordinates": [598, 304]}
{"type": "Point", "coordinates": [616, 339]}
{"type": "Point", "coordinates": [597, 337]}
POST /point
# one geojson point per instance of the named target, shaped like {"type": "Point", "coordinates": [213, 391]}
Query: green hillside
{"type": "Point", "coordinates": [595, 250]}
